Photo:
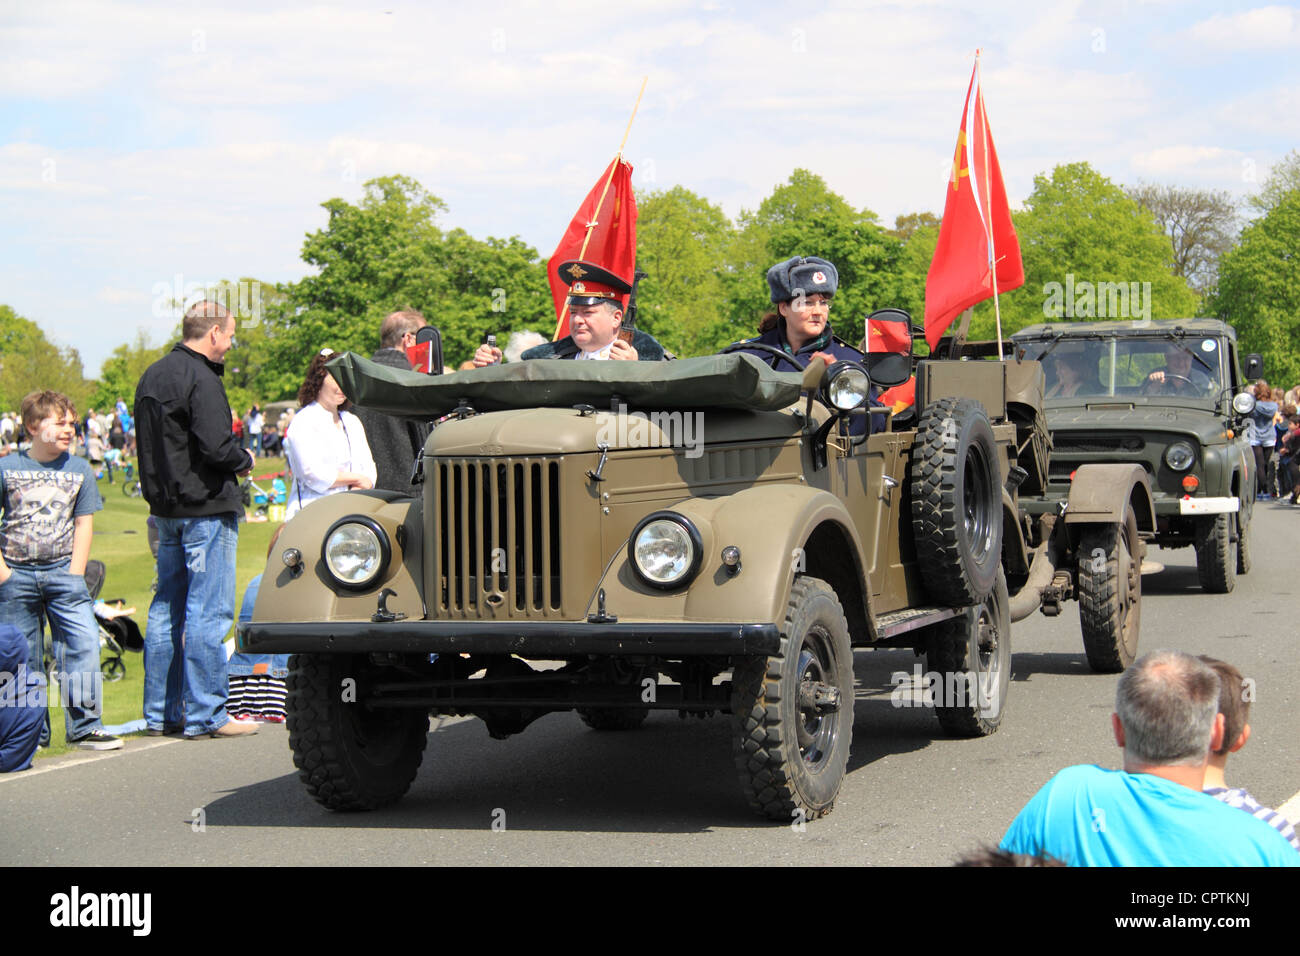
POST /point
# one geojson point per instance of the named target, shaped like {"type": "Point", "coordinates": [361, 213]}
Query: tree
{"type": "Point", "coordinates": [30, 362]}
{"type": "Point", "coordinates": [682, 242]}
{"type": "Point", "coordinates": [905, 225]}
{"type": "Point", "coordinates": [387, 253]}
{"type": "Point", "coordinates": [1089, 252]}
{"type": "Point", "coordinates": [122, 370]}
{"type": "Point", "coordinates": [1259, 289]}
{"type": "Point", "coordinates": [1282, 179]}
{"type": "Point", "coordinates": [1201, 224]}
{"type": "Point", "coordinates": [804, 217]}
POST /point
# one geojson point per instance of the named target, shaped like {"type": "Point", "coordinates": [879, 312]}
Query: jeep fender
{"type": "Point", "coordinates": [781, 530]}
{"type": "Point", "coordinates": [312, 595]}
{"type": "Point", "coordinates": [1099, 494]}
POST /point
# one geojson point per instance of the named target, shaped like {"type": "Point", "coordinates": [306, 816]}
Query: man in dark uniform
{"type": "Point", "coordinates": [802, 288]}
{"type": "Point", "coordinates": [595, 319]}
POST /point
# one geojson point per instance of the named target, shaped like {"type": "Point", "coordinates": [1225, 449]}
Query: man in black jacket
{"type": "Point", "coordinates": [394, 442]}
{"type": "Point", "coordinates": [190, 461]}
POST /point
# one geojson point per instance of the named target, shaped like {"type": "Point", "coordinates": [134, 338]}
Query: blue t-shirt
{"type": "Point", "coordinates": [38, 502]}
{"type": "Point", "coordinates": [1089, 816]}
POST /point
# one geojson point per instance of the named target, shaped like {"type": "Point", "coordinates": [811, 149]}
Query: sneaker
{"type": "Point", "coordinates": [231, 728]}
{"type": "Point", "coordinates": [168, 730]}
{"type": "Point", "coordinates": [98, 740]}
{"type": "Point", "coordinates": [272, 718]}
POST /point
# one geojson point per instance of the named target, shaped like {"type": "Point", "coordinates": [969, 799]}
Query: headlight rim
{"type": "Point", "coordinates": [1191, 456]}
{"type": "Point", "coordinates": [692, 533]}
{"type": "Point", "coordinates": [385, 552]}
{"type": "Point", "coordinates": [839, 369]}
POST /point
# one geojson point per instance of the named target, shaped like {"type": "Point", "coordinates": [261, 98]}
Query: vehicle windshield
{"type": "Point", "coordinates": [1128, 368]}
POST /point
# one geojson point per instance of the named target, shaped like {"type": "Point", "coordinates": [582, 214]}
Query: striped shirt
{"type": "Point", "coordinates": [1238, 797]}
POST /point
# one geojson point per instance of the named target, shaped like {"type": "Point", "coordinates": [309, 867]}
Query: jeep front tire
{"type": "Point", "coordinates": [792, 713]}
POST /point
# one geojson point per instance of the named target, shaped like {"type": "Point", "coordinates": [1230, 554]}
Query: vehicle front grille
{"type": "Point", "coordinates": [1097, 443]}
{"type": "Point", "coordinates": [496, 537]}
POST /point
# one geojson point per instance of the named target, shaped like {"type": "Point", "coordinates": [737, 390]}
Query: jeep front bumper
{"type": "Point", "coordinates": [536, 639]}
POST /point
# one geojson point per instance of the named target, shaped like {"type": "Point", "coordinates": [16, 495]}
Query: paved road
{"type": "Point", "coordinates": [668, 793]}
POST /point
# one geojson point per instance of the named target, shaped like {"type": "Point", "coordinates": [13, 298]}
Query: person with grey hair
{"type": "Point", "coordinates": [521, 342]}
{"type": "Point", "coordinates": [395, 442]}
{"type": "Point", "coordinates": [1151, 813]}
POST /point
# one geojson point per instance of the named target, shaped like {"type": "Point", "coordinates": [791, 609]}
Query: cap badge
{"type": "Point", "coordinates": [819, 277]}
{"type": "Point", "coordinates": [576, 271]}
{"type": "Point", "coordinates": [578, 286]}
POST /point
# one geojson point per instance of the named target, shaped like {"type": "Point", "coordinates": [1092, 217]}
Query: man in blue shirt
{"type": "Point", "coordinates": [1151, 813]}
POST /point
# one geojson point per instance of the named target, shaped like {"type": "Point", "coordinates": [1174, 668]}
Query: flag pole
{"type": "Point", "coordinates": [600, 203]}
{"type": "Point", "coordinates": [988, 198]}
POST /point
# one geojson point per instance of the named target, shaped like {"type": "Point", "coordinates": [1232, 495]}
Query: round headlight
{"type": "Point", "coordinates": [1243, 403]}
{"type": "Point", "coordinates": [665, 550]}
{"type": "Point", "coordinates": [1179, 456]}
{"type": "Point", "coordinates": [355, 552]}
{"type": "Point", "coordinates": [848, 387]}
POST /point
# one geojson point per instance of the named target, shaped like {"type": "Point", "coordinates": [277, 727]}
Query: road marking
{"type": "Point", "coordinates": [79, 757]}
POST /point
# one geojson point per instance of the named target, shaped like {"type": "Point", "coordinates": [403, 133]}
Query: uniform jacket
{"type": "Point", "coordinates": [647, 349]}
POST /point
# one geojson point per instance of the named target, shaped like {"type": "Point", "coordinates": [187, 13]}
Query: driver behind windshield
{"type": "Point", "coordinates": [802, 289]}
{"type": "Point", "coordinates": [1182, 374]}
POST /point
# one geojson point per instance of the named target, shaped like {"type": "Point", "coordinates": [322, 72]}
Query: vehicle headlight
{"type": "Point", "coordinates": [847, 386]}
{"type": "Point", "coordinates": [665, 549]}
{"type": "Point", "coordinates": [356, 551]}
{"type": "Point", "coordinates": [1179, 456]}
{"type": "Point", "coordinates": [1243, 403]}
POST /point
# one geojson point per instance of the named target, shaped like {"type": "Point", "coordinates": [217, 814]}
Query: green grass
{"type": "Point", "coordinates": [122, 543]}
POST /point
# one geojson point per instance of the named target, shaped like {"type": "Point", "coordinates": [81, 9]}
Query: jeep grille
{"type": "Point", "coordinates": [496, 536]}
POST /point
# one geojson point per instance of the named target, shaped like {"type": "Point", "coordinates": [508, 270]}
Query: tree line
{"type": "Point", "coordinates": [1182, 252]}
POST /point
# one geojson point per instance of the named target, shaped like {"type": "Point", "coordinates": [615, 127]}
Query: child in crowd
{"type": "Point", "coordinates": [48, 500]}
{"type": "Point", "coordinates": [1235, 707]}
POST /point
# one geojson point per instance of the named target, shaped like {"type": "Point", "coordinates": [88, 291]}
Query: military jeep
{"type": "Point", "coordinates": [1182, 423]}
{"type": "Point", "coordinates": [703, 536]}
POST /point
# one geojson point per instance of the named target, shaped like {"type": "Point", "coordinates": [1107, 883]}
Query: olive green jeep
{"type": "Point", "coordinates": [1169, 396]}
{"type": "Point", "coordinates": [702, 536]}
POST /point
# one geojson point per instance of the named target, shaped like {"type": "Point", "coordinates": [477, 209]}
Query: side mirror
{"type": "Point", "coordinates": [1254, 367]}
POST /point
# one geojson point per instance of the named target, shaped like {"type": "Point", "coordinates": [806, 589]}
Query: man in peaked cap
{"type": "Point", "coordinates": [595, 317]}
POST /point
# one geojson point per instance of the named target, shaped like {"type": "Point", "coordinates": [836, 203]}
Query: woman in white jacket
{"type": "Point", "coordinates": [326, 445]}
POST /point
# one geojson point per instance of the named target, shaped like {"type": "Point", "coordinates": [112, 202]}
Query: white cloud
{"type": "Point", "coordinates": [1264, 28]}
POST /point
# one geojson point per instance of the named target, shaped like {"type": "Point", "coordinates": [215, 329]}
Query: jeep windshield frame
{"type": "Point", "coordinates": [1123, 362]}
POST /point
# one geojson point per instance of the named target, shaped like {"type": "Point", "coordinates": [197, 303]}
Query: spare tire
{"type": "Point", "coordinates": [956, 502]}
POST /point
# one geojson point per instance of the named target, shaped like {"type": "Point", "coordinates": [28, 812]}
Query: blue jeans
{"type": "Point", "coordinates": [49, 589]}
{"type": "Point", "coordinates": [185, 681]}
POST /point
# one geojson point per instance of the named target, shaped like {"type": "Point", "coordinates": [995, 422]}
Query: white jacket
{"type": "Point", "coordinates": [317, 450]}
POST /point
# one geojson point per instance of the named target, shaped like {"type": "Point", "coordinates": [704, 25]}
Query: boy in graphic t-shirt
{"type": "Point", "coordinates": [48, 499]}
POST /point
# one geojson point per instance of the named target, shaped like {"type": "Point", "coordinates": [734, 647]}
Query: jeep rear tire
{"type": "Point", "coordinates": [971, 653]}
{"type": "Point", "coordinates": [956, 502]}
{"type": "Point", "coordinates": [1216, 554]}
{"type": "Point", "coordinates": [792, 713]}
{"type": "Point", "coordinates": [1110, 593]}
{"type": "Point", "coordinates": [349, 756]}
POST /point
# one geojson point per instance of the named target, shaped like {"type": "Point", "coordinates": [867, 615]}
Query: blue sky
{"type": "Point", "coordinates": [141, 142]}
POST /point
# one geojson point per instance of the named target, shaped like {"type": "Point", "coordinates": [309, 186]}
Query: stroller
{"type": "Point", "coordinates": [117, 632]}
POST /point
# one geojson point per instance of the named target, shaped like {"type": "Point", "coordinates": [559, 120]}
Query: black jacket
{"type": "Point", "coordinates": [394, 442]}
{"type": "Point", "coordinates": [647, 348]}
{"type": "Point", "coordinates": [188, 454]}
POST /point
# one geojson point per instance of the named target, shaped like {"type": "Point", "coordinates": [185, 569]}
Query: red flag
{"type": "Point", "coordinates": [612, 244]}
{"type": "Point", "coordinates": [976, 227]}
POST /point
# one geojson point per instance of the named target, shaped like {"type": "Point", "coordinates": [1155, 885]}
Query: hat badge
{"type": "Point", "coordinates": [578, 287]}
{"type": "Point", "coordinates": [819, 277]}
{"type": "Point", "coordinates": [576, 271]}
